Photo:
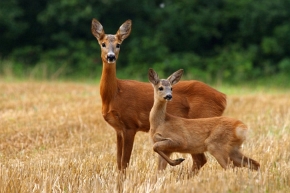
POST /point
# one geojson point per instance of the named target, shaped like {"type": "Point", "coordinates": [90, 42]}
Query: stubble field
{"type": "Point", "coordinates": [53, 139]}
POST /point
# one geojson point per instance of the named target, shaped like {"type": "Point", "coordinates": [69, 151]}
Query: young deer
{"type": "Point", "coordinates": [222, 137]}
{"type": "Point", "coordinates": [126, 103]}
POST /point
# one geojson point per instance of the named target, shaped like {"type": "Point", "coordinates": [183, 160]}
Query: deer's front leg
{"type": "Point", "coordinates": [128, 142]}
{"type": "Point", "coordinates": [159, 146]}
{"type": "Point", "coordinates": [162, 163]}
{"type": "Point", "coordinates": [198, 161]}
{"type": "Point", "coordinates": [164, 145]}
{"type": "Point", "coordinates": [120, 142]}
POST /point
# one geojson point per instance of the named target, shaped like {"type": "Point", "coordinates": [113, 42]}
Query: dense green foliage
{"type": "Point", "coordinates": [231, 40]}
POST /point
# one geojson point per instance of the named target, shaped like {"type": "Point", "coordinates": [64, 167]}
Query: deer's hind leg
{"type": "Point", "coordinates": [220, 155]}
{"type": "Point", "coordinates": [239, 160]}
{"type": "Point", "coordinates": [219, 151]}
{"type": "Point", "coordinates": [164, 145]}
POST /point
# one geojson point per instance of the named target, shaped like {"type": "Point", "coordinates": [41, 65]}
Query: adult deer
{"type": "Point", "coordinates": [220, 136]}
{"type": "Point", "coordinates": [126, 103]}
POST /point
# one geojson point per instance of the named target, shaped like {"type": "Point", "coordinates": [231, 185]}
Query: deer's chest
{"type": "Point", "coordinates": [126, 119]}
{"type": "Point", "coordinates": [113, 117]}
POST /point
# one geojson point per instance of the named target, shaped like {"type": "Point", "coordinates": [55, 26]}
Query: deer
{"type": "Point", "coordinates": [221, 136]}
{"type": "Point", "coordinates": [126, 103]}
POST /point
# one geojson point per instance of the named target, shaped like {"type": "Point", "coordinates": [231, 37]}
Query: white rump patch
{"type": "Point", "coordinates": [241, 132]}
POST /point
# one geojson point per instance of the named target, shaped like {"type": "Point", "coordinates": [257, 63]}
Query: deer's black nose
{"type": "Point", "coordinates": [111, 57]}
{"type": "Point", "coordinates": [168, 97]}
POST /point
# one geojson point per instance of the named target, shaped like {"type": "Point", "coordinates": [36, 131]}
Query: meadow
{"type": "Point", "coordinates": [53, 139]}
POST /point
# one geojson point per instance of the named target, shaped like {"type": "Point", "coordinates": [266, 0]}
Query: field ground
{"type": "Point", "coordinates": [54, 139]}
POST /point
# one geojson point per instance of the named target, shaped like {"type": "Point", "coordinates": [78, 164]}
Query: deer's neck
{"type": "Point", "coordinates": [157, 114]}
{"type": "Point", "coordinates": [108, 84]}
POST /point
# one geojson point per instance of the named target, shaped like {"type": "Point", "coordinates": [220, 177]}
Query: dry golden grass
{"type": "Point", "coordinates": [54, 139]}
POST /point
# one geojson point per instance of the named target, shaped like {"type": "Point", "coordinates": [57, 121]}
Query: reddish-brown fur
{"type": "Point", "coordinates": [220, 136]}
{"type": "Point", "coordinates": [126, 103]}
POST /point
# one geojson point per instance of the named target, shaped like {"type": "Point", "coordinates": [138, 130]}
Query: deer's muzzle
{"type": "Point", "coordinates": [111, 58]}
{"type": "Point", "coordinates": [168, 97]}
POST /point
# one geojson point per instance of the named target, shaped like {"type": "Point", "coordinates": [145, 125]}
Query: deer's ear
{"type": "Point", "coordinates": [175, 77]}
{"type": "Point", "coordinates": [97, 29]}
{"type": "Point", "coordinates": [124, 30]}
{"type": "Point", "coordinates": [153, 76]}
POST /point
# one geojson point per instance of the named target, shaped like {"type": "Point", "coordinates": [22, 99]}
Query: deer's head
{"type": "Point", "coordinates": [163, 87]}
{"type": "Point", "coordinates": [110, 44]}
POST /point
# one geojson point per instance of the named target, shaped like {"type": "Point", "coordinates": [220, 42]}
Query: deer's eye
{"type": "Point", "coordinates": [118, 45]}
{"type": "Point", "coordinates": [103, 45]}
{"type": "Point", "coordinates": [171, 88]}
{"type": "Point", "coordinates": [160, 88]}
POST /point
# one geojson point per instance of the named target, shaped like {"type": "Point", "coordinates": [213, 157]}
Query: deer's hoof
{"type": "Point", "coordinates": [179, 160]}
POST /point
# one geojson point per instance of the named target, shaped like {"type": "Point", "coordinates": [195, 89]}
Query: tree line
{"type": "Point", "coordinates": [210, 39]}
